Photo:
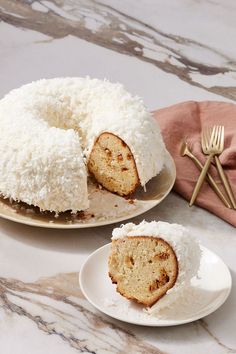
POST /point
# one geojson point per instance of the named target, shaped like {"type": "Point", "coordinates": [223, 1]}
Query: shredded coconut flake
{"type": "Point", "coordinates": [48, 127]}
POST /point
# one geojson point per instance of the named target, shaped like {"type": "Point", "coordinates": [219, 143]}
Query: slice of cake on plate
{"type": "Point", "coordinates": [153, 262]}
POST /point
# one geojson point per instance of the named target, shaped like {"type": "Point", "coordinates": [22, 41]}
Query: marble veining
{"type": "Point", "coordinates": [56, 306]}
{"type": "Point", "coordinates": [193, 62]}
{"type": "Point", "coordinates": [204, 325]}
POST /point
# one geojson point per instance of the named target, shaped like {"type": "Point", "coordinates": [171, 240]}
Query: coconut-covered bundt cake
{"type": "Point", "coordinates": [55, 132]}
{"type": "Point", "coordinates": [152, 263]}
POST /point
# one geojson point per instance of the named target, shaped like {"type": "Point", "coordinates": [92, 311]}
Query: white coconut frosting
{"type": "Point", "coordinates": [185, 246]}
{"type": "Point", "coordinates": [48, 129]}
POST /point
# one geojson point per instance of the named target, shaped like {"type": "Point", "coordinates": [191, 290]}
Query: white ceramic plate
{"type": "Point", "coordinates": [105, 207]}
{"type": "Point", "coordinates": [207, 293]}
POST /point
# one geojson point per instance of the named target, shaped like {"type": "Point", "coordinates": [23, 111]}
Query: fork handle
{"type": "Point", "coordinates": [211, 181]}
{"type": "Point", "coordinates": [225, 181]}
{"type": "Point", "coordinates": [201, 179]}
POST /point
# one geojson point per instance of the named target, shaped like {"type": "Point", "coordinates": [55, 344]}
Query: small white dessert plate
{"type": "Point", "coordinates": [105, 207]}
{"type": "Point", "coordinates": [207, 292]}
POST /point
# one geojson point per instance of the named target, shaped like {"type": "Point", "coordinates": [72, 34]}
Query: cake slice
{"type": "Point", "coordinates": [152, 261]}
{"type": "Point", "coordinates": [112, 164]}
{"type": "Point", "coordinates": [143, 268]}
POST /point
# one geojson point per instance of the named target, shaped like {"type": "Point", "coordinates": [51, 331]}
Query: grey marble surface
{"type": "Point", "coordinates": [166, 52]}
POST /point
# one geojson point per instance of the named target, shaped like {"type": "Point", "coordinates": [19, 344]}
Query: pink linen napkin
{"type": "Point", "coordinates": [186, 121]}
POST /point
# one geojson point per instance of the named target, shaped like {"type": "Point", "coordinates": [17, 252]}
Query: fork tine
{"type": "Point", "coordinates": [208, 137]}
{"type": "Point", "coordinates": [213, 134]}
{"type": "Point", "coordinates": [218, 138]}
{"type": "Point", "coordinates": [217, 135]}
{"type": "Point", "coordinates": [222, 138]}
{"type": "Point", "coordinates": [220, 135]}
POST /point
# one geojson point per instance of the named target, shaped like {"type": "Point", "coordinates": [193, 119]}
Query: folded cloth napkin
{"type": "Point", "coordinates": [186, 121]}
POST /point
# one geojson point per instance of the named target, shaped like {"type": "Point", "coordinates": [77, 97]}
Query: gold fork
{"type": "Point", "coordinates": [224, 179]}
{"type": "Point", "coordinates": [186, 151]}
{"type": "Point", "coordinates": [211, 146]}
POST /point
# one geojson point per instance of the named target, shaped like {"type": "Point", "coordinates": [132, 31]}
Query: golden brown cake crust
{"type": "Point", "coordinates": [112, 164]}
{"type": "Point", "coordinates": [142, 277]}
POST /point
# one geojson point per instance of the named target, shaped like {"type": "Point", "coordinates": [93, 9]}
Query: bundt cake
{"type": "Point", "coordinates": [151, 263]}
{"type": "Point", "coordinates": [55, 132]}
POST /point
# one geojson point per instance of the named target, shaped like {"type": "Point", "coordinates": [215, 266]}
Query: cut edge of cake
{"type": "Point", "coordinates": [112, 164]}
{"type": "Point", "coordinates": [155, 274]}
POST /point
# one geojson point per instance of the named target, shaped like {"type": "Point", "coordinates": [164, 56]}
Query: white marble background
{"type": "Point", "coordinates": [49, 315]}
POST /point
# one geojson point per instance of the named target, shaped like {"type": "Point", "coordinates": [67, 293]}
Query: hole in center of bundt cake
{"type": "Point", "coordinates": [112, 164]}
{"type": "Point", "coordinates": [144, 268]}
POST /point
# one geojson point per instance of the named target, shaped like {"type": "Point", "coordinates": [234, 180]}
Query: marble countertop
{"type": "Point", "coordinates": [166, 52]}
